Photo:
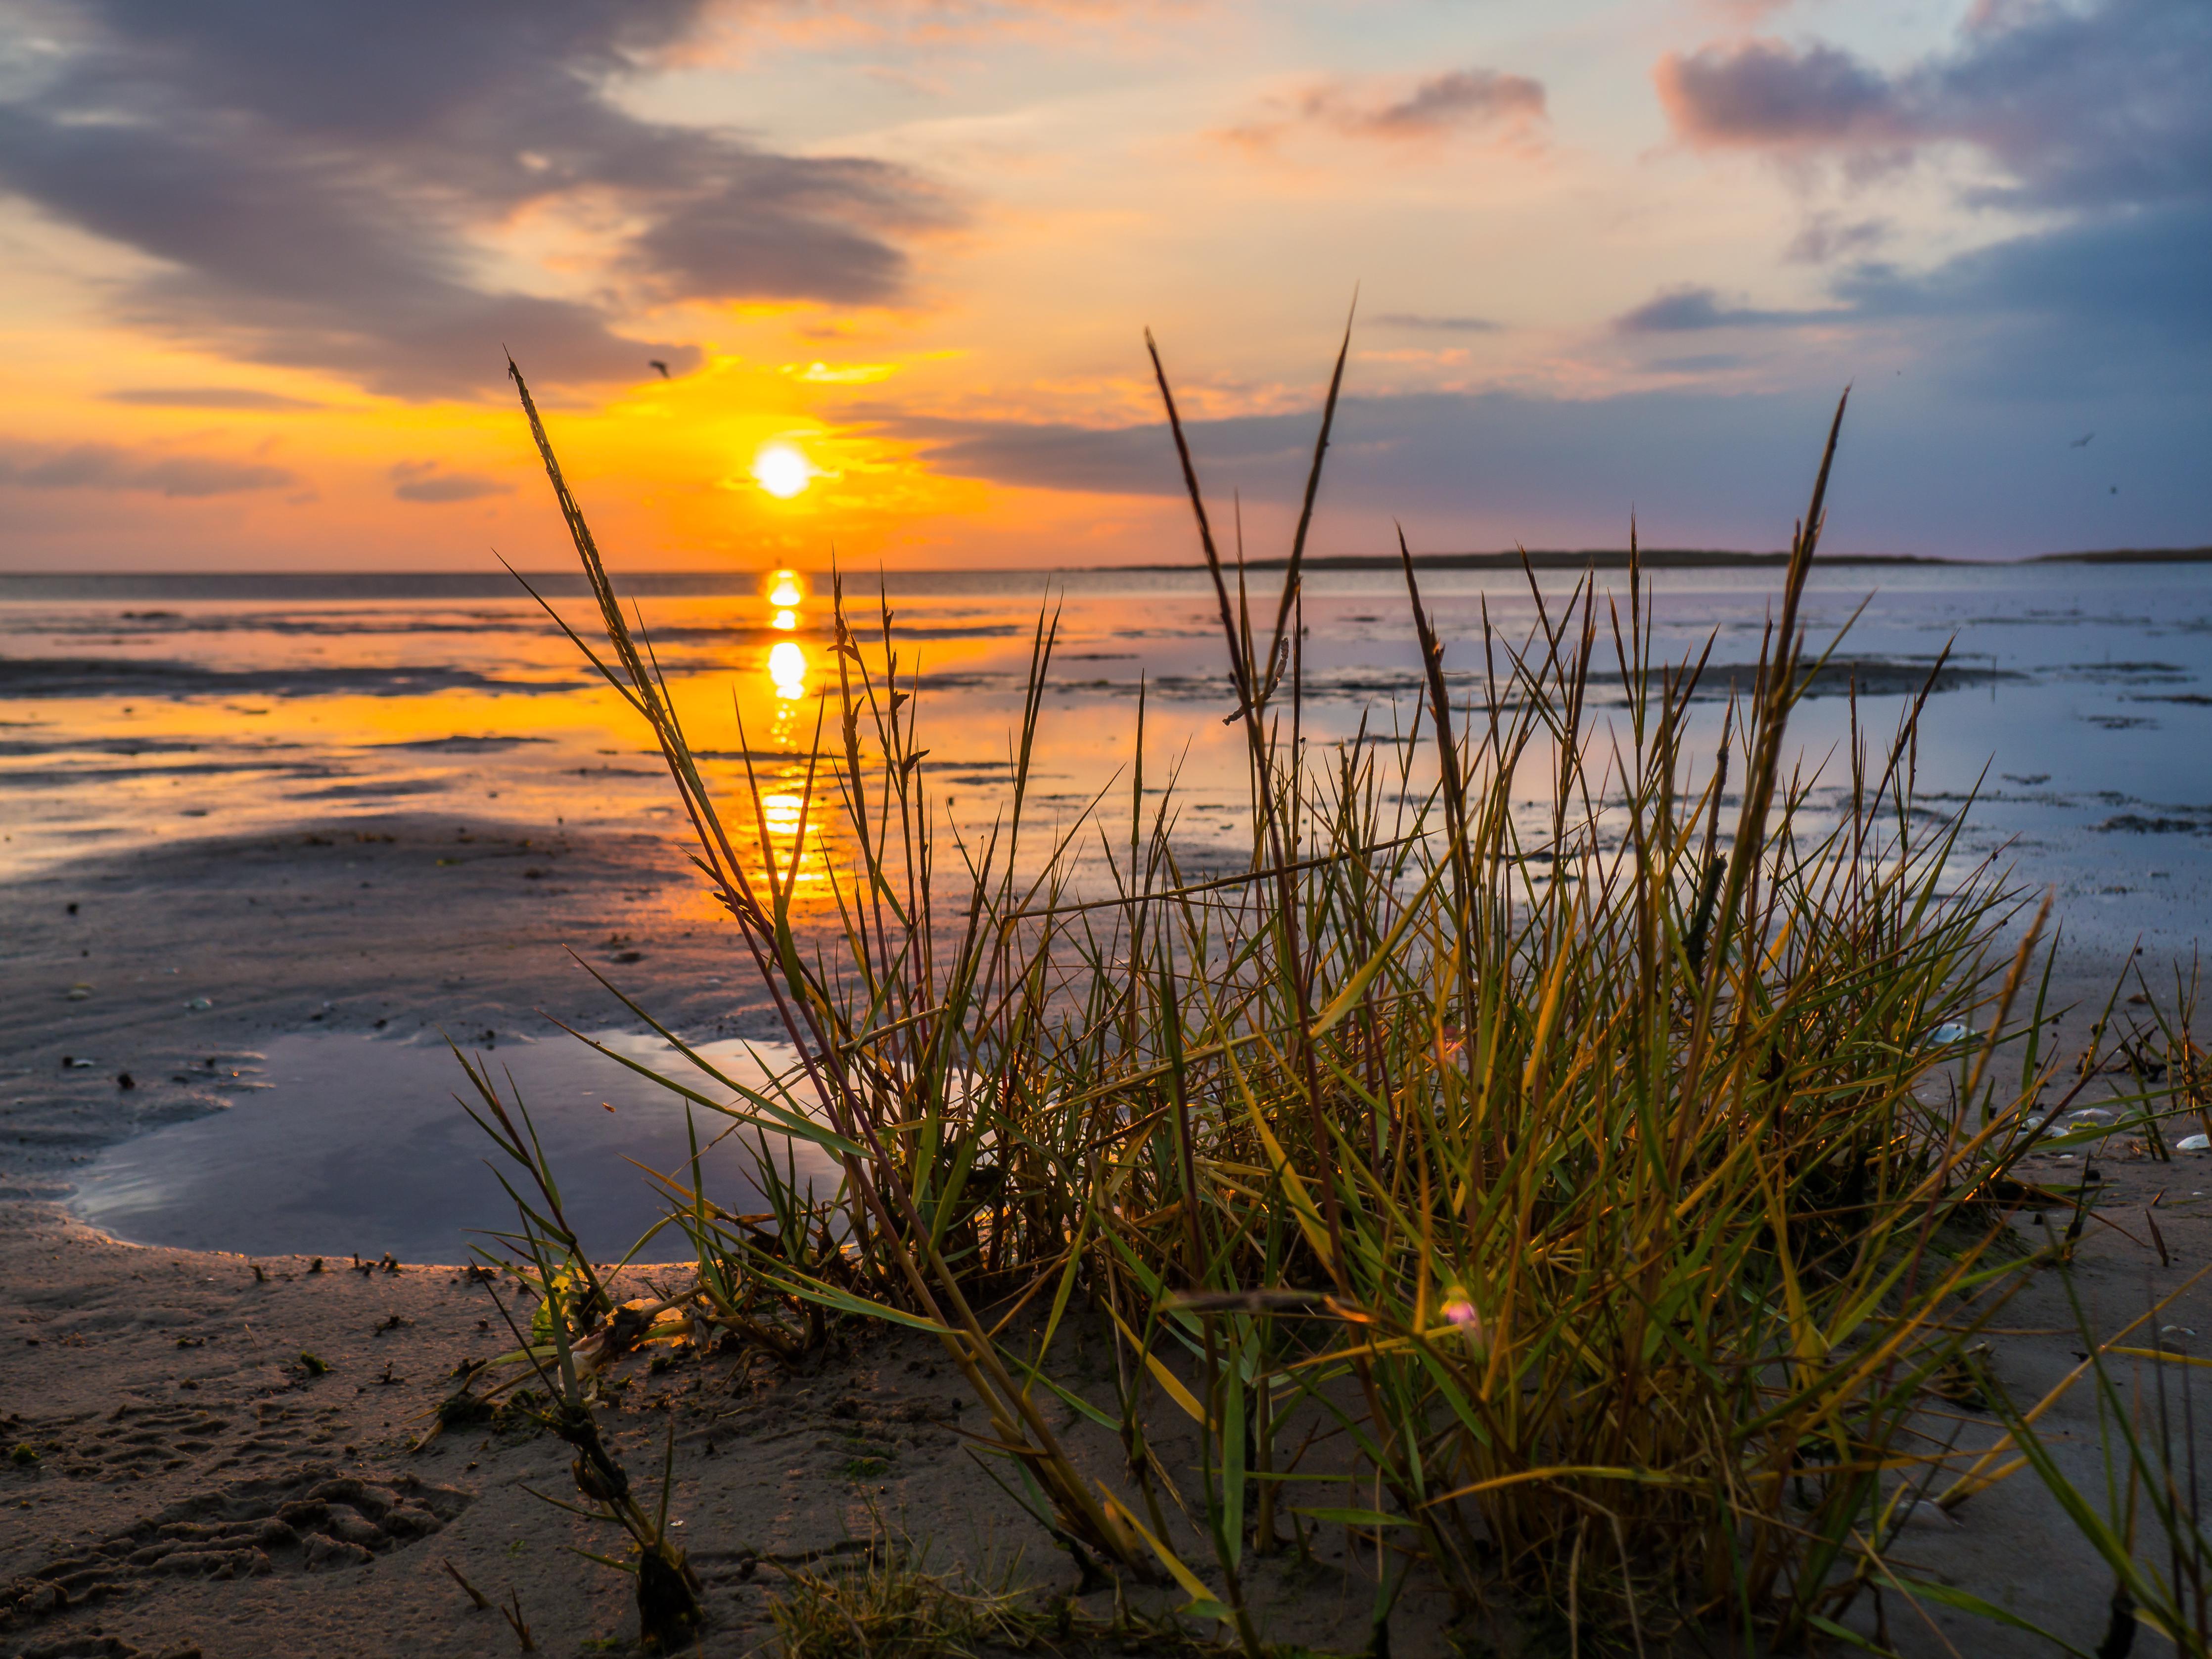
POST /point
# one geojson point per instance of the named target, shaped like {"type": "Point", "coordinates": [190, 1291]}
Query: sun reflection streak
{"type": "Point", "coordinates": [791, 842]}
{"type": "Point", "coordinates": [787, 669]}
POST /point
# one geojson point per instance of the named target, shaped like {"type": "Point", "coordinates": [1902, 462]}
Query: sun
{"type": "Point", "coordinates": [783, 470]}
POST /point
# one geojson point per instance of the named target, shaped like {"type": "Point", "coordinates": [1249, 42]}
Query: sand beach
{"type": "Point", "coordinates": [171, 1417]}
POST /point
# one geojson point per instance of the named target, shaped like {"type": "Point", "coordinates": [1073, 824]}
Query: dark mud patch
{"type": "Point", "coordinates": [106, 676]}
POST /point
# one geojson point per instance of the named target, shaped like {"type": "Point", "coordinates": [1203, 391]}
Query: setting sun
{"type": "Point", "coordinates": [783, 470]}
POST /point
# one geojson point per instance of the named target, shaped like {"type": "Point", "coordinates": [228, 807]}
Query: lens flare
{"type": "Point", "coordinates": [783, 470]}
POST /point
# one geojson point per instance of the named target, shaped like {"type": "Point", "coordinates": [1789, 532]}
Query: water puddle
{"type": "Point", "coordinates": [350, 1145]}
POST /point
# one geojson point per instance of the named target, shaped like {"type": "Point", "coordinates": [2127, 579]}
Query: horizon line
{"type": "Point", "coordinates": [1540, 558]}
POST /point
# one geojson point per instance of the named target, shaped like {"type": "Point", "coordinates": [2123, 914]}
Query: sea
{"type": "Point", "coordinates": [2074, 711]}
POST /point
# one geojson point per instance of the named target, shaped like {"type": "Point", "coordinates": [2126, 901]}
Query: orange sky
{"type": "Point", "coordinates": [261, 264]}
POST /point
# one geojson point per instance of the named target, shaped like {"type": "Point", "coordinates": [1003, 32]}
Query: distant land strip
{"type": "Point", "coordinates": [1697, 558]}
{"type": "Point", "coordinates": [157, 586]}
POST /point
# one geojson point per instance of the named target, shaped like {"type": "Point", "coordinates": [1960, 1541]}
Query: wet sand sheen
{"type": "Point", "coordinates": [351, 1144]}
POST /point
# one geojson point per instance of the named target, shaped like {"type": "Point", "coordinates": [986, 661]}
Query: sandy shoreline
{"type": "Point", "coordinates": [159, 1387]}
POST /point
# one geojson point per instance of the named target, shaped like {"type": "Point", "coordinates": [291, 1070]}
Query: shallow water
{"type": "Point", "coordinates": [2080, 702]}
{"type": "Point", "coordinates": [342, 1144]}
{"type": "Point", "coordinates": [2079, 705]}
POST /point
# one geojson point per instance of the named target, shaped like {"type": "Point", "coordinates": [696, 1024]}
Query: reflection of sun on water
{"type": "Point", "coordinates": [786, 658]}
{"type": "Point", "coordinates": [786, 670]}
{"type": "Point", "coordinates": [782, 801]}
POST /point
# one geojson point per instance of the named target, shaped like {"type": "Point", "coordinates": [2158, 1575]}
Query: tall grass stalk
{"type": "Point", "coordinates": [576, 1333]}
{"type": "Point", "coordinates": [1577, 1203]}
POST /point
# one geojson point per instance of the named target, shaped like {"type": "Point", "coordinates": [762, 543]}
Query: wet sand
{"type": "Point", "coordinates": [401, 924]}
{"type": "Point", "coordinates": [159, 1387]}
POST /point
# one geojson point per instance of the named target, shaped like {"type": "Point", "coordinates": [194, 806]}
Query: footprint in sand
{"type": "Point", "coordinates": [310, 1520]}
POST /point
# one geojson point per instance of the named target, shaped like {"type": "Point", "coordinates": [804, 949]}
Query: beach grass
{"type": "Point", "coordinates": [1576, 1163]}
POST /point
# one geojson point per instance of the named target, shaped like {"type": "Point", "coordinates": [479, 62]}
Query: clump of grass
{"type": "Point", "coordinates": [1572, 1198]}
{"type": "Point", "coordinates": [886, 1602]}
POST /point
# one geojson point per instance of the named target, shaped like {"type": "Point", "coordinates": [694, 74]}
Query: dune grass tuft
{"type": "Point", "coordinates": [1576, 1163]}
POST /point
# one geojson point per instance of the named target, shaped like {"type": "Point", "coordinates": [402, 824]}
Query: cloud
{"type": "Point", "coordinates": [105, 466]}
{"type": "Point", "coordinates": [2088, 107]}
{"type": "Point", "coordinates": [1504, 107]}
{"type": "Point", "coordinates": [1763, 93]}
{"type": "Point", "coordinates": [325, 185]}
{"type": "Point", "coordinates": [1824, 238]}
{"type": "Point", "coordinates": [2093, 117]}
{"type": "Point", "coordinates": [1129, 460]}
{"type": "Point", "coordinates": [421, 480]}
{"type": "Point", "coordinates": [1418, 323]}
{"type": "Point", "coordinates": [1462, 97]}
{"type": "Point", "coordinates": [1688, 309]}
{"type": "Point", "coordinates": [2112, 304]}
{"type": "Point", "coordinates": [206, 396]}
{"type": "Point", "coordinates": [1700, 469]}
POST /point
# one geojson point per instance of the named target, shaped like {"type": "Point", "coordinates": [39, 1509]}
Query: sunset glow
{"type": "Point", "coordinates": [884, 286]}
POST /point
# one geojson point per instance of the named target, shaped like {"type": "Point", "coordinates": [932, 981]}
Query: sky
{"type": "Point", "coordinates": [792, 281]}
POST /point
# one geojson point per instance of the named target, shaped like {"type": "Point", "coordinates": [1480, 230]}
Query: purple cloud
{"type": "Point", "coordinates": [1689, 309]}
{"type": "Point", "coordinates": [2090, 109]}
{"type": "Point", "coordinates": [1764, 94]}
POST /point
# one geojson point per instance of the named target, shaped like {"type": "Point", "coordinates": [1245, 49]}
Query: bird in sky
{"type": "Point", "coordinates": [655, 362]}
{"type": "Point", "coordinates": [2082, 442]}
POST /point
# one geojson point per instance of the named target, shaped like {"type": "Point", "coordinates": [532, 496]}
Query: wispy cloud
{"type": "Point", "coordinates": [106, 466]}
{"type": "Point", "coordinates": [1417, 323]}
{"type": "Point", "coordinates": [422, 482]}
{"type": "Point", "coordinates": [1825, 237]}
{"type": "Point", "coordinates": [1491, 103]}
{"type": "Point", "coordinates": [1686, 310]}
{"type": "Point", "coordinates": [205, 397]}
